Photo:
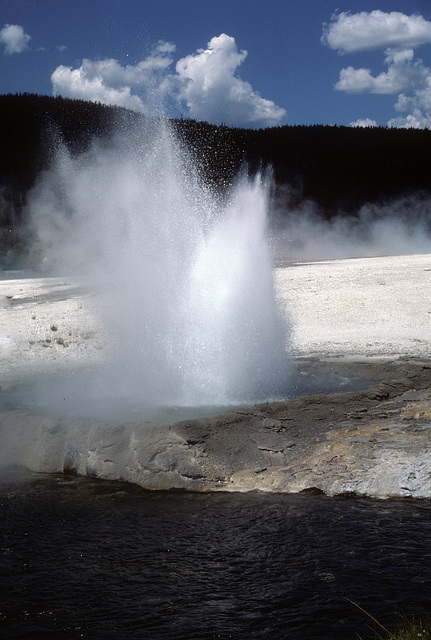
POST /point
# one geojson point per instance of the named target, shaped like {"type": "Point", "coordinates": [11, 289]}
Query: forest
{"type": "Point", "coordinates": [337, 169]}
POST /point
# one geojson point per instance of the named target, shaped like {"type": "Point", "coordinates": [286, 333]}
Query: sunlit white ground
{"type": "Point", "coordinates": [362, 306]}
{"type": "Point", "coordinates": [357, 307]}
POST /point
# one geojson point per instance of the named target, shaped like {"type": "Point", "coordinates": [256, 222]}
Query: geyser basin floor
{"type": "Point", "coordinates": [351, 308]}
{"type": "Point", "coordinates": [376, 306]}
{"type": "Point", "coordinates": [345, 313]}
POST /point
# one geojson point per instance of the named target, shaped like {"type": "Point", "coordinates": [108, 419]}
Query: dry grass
{"type": "Point", "coordinates": [406, 629]}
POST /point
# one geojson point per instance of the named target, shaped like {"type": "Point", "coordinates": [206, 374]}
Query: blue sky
{"type": "Point", "coordinates": [248, 63]}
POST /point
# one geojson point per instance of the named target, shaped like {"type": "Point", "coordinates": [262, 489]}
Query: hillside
{"type": "Point", "coordinates": [339, 169]}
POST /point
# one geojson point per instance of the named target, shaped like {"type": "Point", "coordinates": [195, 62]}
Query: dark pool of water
{"type": "Point", "coordinates": [82, 558]}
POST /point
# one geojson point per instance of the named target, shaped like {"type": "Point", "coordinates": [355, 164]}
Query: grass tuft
{"type": "Point", "coordinates": [407, 630]}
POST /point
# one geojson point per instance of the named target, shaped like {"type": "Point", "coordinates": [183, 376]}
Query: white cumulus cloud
{"type": "Point", "coordinates": [14, 39]}
{"type": "Point", "coordinates": [83, 84]}
{"type": "Point", "coordinates": [204, 84]}
{"type": "Point", "coordinates": [416, 107]}
{"type": "Point", "coordinates": [107, 81]}
{"type": "Point", "coordinates": [212, 91]}
{"type": "Point", "coordinates": [407, 77]}
{"type": "Point", "coordinates": [363, 122]}
{"type": "Point", "coordinates": [403, 74]}
{"type": "Point", "coordinates": [364, 31]}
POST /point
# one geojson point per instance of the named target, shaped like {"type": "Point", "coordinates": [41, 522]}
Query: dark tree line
{"type": "Point", "coordinates": [338, 168]}
{"type": "Point", "coordinates": [342, 168]}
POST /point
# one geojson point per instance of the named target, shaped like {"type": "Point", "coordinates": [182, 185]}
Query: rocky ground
{"type": "Point", "coordinates": [367, 320]}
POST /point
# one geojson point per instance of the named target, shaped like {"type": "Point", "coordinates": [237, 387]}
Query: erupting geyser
{"type": "Point", "coordinates": [187, 274]}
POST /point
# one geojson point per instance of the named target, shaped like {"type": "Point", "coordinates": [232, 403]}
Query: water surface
{"type": "Point", "coordinates": [84, 558]}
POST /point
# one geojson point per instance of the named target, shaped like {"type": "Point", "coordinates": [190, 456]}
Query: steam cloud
{"type": "Point", "coordinates": [402, 226]}
{"type": "Point", "coordinates": [190, 300]}
{"type": "Point", "coordinates": [186, 274]}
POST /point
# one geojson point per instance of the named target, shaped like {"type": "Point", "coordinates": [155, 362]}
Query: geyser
{"type": "Point", "coordinates": [186, 272]}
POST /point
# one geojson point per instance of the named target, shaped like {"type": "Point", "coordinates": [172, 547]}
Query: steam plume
{"type": "Point", "coordinates": [190, 300]}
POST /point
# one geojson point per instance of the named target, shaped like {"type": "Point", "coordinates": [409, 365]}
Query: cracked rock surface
{"type": "Point", "coordinates": [373, 442]}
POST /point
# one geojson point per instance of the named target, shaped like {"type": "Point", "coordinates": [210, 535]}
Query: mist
{"type": "Point", "coordinates": [301, 232]}
{"type": "Point", "coordinates": [181, 275]}
{"type": "Point", "coordinates": [184, 273]}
